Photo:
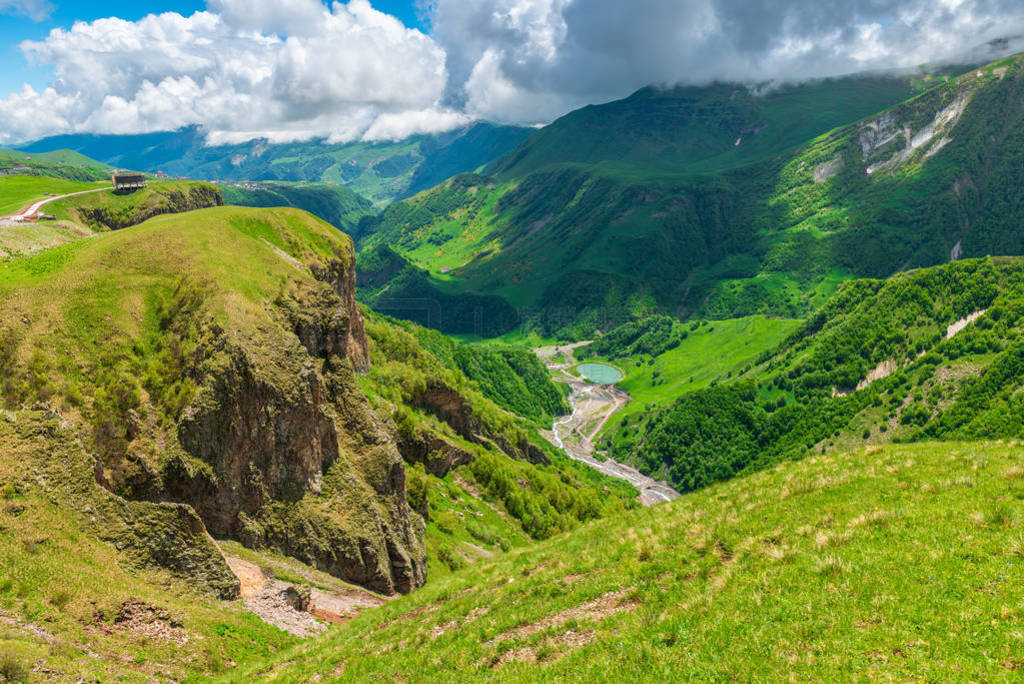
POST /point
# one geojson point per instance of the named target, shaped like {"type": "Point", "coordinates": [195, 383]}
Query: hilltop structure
{"type": "Point", "coordinates": [128, 182]}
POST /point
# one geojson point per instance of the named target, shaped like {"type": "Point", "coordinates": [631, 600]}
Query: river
{"type": "Point", "coordinates": [592, 406]}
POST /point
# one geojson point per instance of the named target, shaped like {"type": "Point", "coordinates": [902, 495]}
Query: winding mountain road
{"type": "Point", "coordinates": [592, 406]}
{"type": "Point", "coordinates": [34, 208]}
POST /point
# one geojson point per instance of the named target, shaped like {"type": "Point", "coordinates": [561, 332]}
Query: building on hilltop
{"type": "Point", "coordinates": [128, 182]}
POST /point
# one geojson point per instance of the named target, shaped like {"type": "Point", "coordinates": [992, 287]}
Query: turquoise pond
{"type": "Point", "coordinates": [600, 373]}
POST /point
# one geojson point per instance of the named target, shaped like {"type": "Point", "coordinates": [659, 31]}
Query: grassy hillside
{"type": "Point", "coordinates": [108, 210]}
{"type": "Point", "coordinates": [65, 164]}
{"type": "Point", "coordinates": [650, 205]}
{"type": "Point", "coordinates": [380, 171]}
{"type": "Point", "coordinates": [887, 563]}
{"type": "Point", "coordinates": [339, 206]}
{"type": "Point", "coordinates": [82, 216]}
{"type": "Point", "coordinates": [18, 192]}
{"type": "Point", "coordinates": [928, 354]}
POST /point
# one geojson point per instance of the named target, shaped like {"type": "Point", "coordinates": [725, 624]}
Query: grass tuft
{"type": "Point", "coordinates": [831, 566]}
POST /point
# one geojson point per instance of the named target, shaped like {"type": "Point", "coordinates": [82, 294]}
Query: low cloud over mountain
{"type": "Point", "coordinates": [288, 69]}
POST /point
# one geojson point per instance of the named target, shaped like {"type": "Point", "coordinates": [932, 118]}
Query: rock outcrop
{"type": "Point", "coordinates": [448, 405]}
{"type": "Point", "coordinates": [281, 449]}
{"type": "Point", "coordinates": [150, 202]}
{"type": "Point", "coordinates": [43, 449]}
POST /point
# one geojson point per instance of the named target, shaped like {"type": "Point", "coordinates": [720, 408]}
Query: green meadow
{"type": "Point", "coordinates": [892, 563]}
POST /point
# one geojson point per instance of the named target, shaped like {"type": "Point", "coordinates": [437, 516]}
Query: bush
{"type": "Point", "coordinates": [12, 669]}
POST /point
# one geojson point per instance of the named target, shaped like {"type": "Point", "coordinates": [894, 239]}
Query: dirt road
{"type": "Point", "coordinates": [34, 208]}
{"type": "Point", "coordinates": [592, 406]}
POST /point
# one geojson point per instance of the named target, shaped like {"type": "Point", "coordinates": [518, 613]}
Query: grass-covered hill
{"type": "Point", "coordinates": [927, 354]}
{"type": "Point", "coordinates": [380, 171]}
{"type": "Point", "coordinates": [100, 210]}
{"type": "Point", "coordinates": [58, 163]}
{"type": "Point", "coordinates": [107, 210]}
{"type": "Point", "coordinates": [336, 204]}
{"type": "Point", "coordinates": [18, 192]}
{"type": "Point", "coordinates": [210, 373]}
{"type": "Point", "coordinates": [721, 203]}
{"type": "Point", "coordinates": [892, 563]}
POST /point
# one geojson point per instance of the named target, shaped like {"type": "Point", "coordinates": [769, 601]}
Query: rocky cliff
{"type": "Point", "coordinates": [298, 460]}
{"type": "Point", "coordinates": [229, 398]}
{"type": "Point", "coordinates": [103, 212]}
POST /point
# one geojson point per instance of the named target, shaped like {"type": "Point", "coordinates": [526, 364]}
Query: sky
{"type": "Point", "coordinates": [386, 69]}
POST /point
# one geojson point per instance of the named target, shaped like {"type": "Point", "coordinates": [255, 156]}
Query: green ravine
{"type": "Point", "coordinates": [218, 463]}
{"type": "Point", "coordinates": [208, 371]}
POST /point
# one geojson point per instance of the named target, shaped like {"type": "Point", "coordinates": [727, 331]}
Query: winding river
{"type": "Point", "coordinates": [592, 405]}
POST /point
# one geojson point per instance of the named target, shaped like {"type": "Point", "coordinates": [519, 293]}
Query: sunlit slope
{"type": "Point", "coordinates": [769, 226]}
{"type": "Point", "coordinates": [18, 192]}
{"type": "Point", "coordinates": [928, 354]}
{"type": "Point", "coordinates": [899, 562]}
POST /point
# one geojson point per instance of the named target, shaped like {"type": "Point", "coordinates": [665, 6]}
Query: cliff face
{"type": "Point", "coordinates": [297, 459]}
{"type": "Point", "coordinates": [450, 406]}
{"type": "Point", "coordinates": [144, 204]}
{"type": "Point", "coordinates": [227, 400]}
{"type": "Point", "coordinates": [39, 452]}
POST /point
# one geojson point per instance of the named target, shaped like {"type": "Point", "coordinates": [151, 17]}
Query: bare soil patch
{"type": "Point", "coordinates": [142, 619]}
{"type": "Point", "coordinates": [597, 609]}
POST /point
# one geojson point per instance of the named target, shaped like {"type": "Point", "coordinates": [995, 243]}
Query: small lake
{"type": "Point", "coordinates": [600, 373]}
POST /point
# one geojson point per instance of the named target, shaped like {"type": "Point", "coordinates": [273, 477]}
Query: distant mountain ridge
{"type": "Point", "coordinates": [718, 202]}
{"type": "Point", "coordinates": [380, 171]}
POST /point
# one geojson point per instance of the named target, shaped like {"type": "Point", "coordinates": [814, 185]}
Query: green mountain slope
{"type": "Point", "coordinates": [887, 563]}
{"type": "Point", "coordinates": [338, 205]}
{"type": "Point", "coordinates": [390, 284]}
{"type": "Point", "coordinates": [686, 130]}
{"type": "Point", "coordinates": [210, 373]}
{"type": "Point", "coordinates": [59, 163]}
{"type": "Point", "coordinates": [650, 205]}
{"type": "Point", "coordinates": [380, 171]}
{"type": "Point", "coordinates": [928, 354]}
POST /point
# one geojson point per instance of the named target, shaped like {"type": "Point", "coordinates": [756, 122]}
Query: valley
{"type": "Point", "coordinates": [709, 382]}
{"type": "Point", "coordinates": [592, 406]}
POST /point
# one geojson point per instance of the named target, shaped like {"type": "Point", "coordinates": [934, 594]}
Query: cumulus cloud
{"type": "Point", "coordinates": [36, 10]}
{"type": "Point", "coordinates": [292, 69]}
{"type": "Point", "coordinates": [282, 69]}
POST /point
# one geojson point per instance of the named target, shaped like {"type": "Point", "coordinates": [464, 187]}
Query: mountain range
{"type": "Point", "coordinates": [720, 202]}
{"type": "Point", "coordinates": [379, 171]}
{"type": "Point", "coordinates": [237, 443]}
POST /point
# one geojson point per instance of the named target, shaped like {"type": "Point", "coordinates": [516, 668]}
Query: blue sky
{"type": "Point", "coordinates": [15, 28]}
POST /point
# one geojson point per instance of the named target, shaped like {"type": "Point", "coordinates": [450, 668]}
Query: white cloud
{"type": "Point", "coordinates": [290, 69]}
{"type": "Point", "coordinates": [36, 10]}
{"type": "Point", "coordinates": [513, 57]}
{"type": "Point", "coordinates": [399, 125]}
{"type": "Point", "coordinates": [286, 69]}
